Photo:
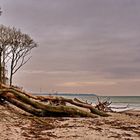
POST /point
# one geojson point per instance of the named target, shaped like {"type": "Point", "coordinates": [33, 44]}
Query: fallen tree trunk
{"type": "Point", "coordinates": [32, 104]}
{"type": "Point", "coordinates": [40, 109]}
{"type": "Point", "coordinates": [27, 108]}
{"type": "Point", "coordinates": [75, 102]}
{"type": "Point", "coordinates": [79, 104]}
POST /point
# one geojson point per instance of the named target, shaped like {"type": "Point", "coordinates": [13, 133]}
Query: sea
{"type": "Point", "coordinates": [119, 103]}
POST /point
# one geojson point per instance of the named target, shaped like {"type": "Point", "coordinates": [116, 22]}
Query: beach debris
{"type": "Point", "coordinates": [50, 106]}
{"type": "Point", "coordinates": [105, 105]}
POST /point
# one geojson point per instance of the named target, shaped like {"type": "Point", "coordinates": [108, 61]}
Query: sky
{"type": "Point", "coordinates": [84, 46]}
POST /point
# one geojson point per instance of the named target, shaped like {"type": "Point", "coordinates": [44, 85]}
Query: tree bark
{"type": "Point", "coordinates": [37, 105]}
{"type": "Point", "coordinates": [0, 68]}
{"type": "Point", "coordinates": [11, 72]}
{"type": "Point", "coordinates": [40, 109]}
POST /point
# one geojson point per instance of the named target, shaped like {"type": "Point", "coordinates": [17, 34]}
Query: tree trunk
{"type": "Point", "coordinates": [4, 69]}
{"type": "Point", "coordinates": [0, 69]}
{"type": "Point", "coordinates": [11, 73]}
{"type": "Point", "coordinates": [75, 102]}
{"type": "Point", "coordinates": [34, 105]}
{"type": "Point", "coordinates": [40, 109]}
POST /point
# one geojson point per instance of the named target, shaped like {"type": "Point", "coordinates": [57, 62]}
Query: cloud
{"type": "Point", "coordinates": [79, 40]}
{"type": "Point", "coordinates": [79, 84]}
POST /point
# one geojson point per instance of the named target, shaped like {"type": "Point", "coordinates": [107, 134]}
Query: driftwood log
{"type": "Point", "coordinates": [46, 105]}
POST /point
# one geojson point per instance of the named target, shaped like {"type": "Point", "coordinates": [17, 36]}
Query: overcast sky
{"type": "Point", "coordinates": [85, 46]}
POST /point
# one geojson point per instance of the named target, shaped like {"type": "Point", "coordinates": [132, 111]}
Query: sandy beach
{"type": "Point", "coordinates": [18, 125]}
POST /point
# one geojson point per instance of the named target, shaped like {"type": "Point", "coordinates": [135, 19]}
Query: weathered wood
{"type": "Point", "coordinates": [75, 102]}
{"type": "Point", "coordinates": [25, 107]}
{"type": "Point", "coordinates": [45, 110]}
{"type": "Point", "coordinates": [104, 105]}
{"type": "Point", "coordinates": [79, 104]}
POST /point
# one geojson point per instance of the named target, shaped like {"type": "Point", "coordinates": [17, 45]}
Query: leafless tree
{"type": "Point", "coordinates": [21, 46]}
{"type": "Point", "coordinates": [15, 48]}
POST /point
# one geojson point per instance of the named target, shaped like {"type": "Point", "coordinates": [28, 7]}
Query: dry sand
{"type": "Point", "coordinates": [17, 125]}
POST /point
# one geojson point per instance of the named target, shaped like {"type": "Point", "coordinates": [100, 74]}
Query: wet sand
{"type": "Point", "coordinates": [18, 125]}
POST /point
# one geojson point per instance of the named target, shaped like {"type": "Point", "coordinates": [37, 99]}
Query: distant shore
{"type": "Point", "coordinates": [16, 124]}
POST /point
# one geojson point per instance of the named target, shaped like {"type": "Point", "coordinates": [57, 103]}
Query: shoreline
{"type": "Point", "coordinates": [16, 124]}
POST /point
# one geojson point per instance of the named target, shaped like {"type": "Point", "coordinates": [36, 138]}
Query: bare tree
{"type": "Point", "coordinates": [5, 41]}
{"type": "Point", "coordinates": [15, 48]}
{"type": "Point", "coordinates": [21, 46]}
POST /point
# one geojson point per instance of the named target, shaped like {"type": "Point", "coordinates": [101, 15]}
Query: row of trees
{"type": "Point", "coordinates": [15, 48]}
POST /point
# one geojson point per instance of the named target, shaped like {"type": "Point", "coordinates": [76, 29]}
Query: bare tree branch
{"type": "Point", "coordinates": [23, 63]}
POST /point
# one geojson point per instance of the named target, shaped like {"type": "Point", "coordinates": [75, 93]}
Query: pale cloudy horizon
{"type": "Point", "coordinates": [84, 46]}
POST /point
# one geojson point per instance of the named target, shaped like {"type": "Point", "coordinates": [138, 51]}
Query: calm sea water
{"type": "Point", "coordinates": [133, 102]}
